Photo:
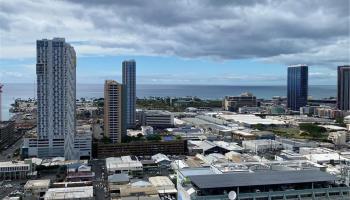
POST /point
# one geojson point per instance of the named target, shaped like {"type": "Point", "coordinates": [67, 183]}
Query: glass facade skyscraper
{"type": "Point", "coordinates": [129, 93]}
{"type": "Point", "coordinates": [343, 90]}
{"type": "Point", "coordinates": [297, 87]}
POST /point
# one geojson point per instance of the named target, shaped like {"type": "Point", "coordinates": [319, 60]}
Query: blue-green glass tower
{"type": "Point", "coordinates": [297, 87]}
{"type": "Point", "coordinates": [129, 93]}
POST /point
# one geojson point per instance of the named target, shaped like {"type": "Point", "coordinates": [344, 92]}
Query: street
{"type": "Point", "coordinates": [6, 155]}
{"type": "Point", "coordinates": [100, 180]}
{"type": "Point", "coordinates": [10, 186]}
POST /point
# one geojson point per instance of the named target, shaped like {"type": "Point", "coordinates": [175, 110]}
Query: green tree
{"type": "Point", "coordinates": [154, 137]}
{"type": "Point", "coordinates": [260, 127]}
{"type": "Point", "coordinates": [340, 121]}
{"type": "Point", "coordinates": [106, 140]}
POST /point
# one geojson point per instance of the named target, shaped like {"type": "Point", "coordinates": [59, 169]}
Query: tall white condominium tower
{"type": "Point", "coordinates": [56, 90]}
{"type": "Point", "coordinates": [129, 84]}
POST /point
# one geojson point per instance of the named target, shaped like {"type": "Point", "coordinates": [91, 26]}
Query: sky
{"type": "Point", "coordinates": [209, 42]}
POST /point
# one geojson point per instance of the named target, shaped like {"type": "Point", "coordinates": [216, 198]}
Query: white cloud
{"type": "Point", "coordinates": [314, 32]}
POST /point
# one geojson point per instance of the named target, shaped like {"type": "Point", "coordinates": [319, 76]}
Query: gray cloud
{"type": "Point", "coordinates": [314, 32]}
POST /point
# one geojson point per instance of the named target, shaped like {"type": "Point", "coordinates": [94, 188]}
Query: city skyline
{"type": "Point", "coordinates": [176, 99]}
{"type": "Point", "coordinates": [231, 44]}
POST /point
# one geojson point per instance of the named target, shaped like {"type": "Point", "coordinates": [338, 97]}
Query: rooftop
{"type": "Point", "coordinates": [160, 157]}
{"type": "Point", "coordinates": [298, 65]}
{"type": "Point", "coordinates": [196, 171]}
{"type": "Point", "coordinates": [37, 183]}
{"type": "Point", "coordinates": [260, 178]}
{"type": "Point", "coordinates": [13, 164]}
{"type": "Point", "coordinates": [333, 127]}
{"type": "Point", "coordinates": [116, 163]}
{"type": "Point", "coordinates": [159, 181]}
{"type": "Point", "coordinates": [70, 193]}
{"type": "Point", "coordinates": [157, 112]}
{"type": "Point", "coordinates": [118, 178]}
{"type": "Point", "coordinates": [251, 119]}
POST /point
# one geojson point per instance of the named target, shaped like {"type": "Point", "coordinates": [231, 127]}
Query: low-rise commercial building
{"type": "Point", "coordinates": [339, 137]}
{"type": "Point", "coordinates": [205, 147]}
{"type": "Point", "coordinates": [163, 184]}
{"type": "Point", "coordinates": [71, 193]}
{"type": "Point", "coordinates": [289, 155]}
{"type": "Point", "coordinates": [80, 176]}
{"type": "Point", "coordinates": [261, 145]}
{"type": "Point", "coordinates": [36, 189]}
{"type": "Point", "coordinates": [249, 110]}
{"type": "Point", "coordinates": [330, 113]}
{"type": "Point", "coordinates": [83, 142]}
{"type": "Point", "coordinates": [251, 120]}
{"type": "Point", "coordinates": [321, 155]}
{"type": "Point", "coordinates": [276, 110]}
{"type": "Point", "coordinates": [162, 160]}
{"type": "Point", "coordinates": [262, 185]}
{"type": "Point", "coordinates": [115, 182]}
{"type": "Point", "coordinates": [124, 164]}
{"type": "Point", "coordinates": [136, 190]}
{"type": "Point", "coordinates": [187, 132]}
{"type": "Point", "coordinates": [294, 144]}
{"type": "Point", "coordinates": [14, 170]}
{"type": "Point", "coordinates": [233, 103]}
{"type": "Point", "coordinates": [157, 118]}
{"type": "Point", "coordinates": [118, 179]}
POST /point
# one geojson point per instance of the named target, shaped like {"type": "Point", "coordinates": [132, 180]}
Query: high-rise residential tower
{"type": "Point", "coordinates": [343, 97]}
{"type": "Point", "coordinates": [297, 87]}
{"type": "Point", "coordinates": [129, 92]}
{"type": "Point", "coordinates": [1, 85]}
{"type": "Point", "coordinates": [113, 111]}
{"type": "Point", "coordinates": [56, 93]}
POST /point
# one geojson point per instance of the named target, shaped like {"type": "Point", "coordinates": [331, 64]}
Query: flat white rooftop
{"type": "Point", "coordinates": [37, 184]}
{"type": "Point", "coordinates": [333, 127]}
{"type": "Point", "coordinates": [161, 181]}
{"type": "Point", "coordinates": [69, 193]}
{"type": "Point", "coordinates": [251, 119]}
{"type": "Point", "coordinates": [13, 164]}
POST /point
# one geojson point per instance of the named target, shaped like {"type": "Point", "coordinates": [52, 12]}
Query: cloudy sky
{"type": "Point", "coordinates": [228, 42]}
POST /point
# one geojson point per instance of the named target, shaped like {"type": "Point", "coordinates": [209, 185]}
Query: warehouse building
{"type": "Point", "coordinates": [302, 184]}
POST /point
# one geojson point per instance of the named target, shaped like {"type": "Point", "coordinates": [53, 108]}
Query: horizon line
{"type": "Point", "coordinates": [181, 84]}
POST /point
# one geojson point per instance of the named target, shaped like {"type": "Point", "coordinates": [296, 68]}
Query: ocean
{"type": "Point", "coordinates": [13, 91]}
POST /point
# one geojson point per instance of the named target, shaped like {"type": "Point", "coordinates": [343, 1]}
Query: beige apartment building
{"type": "Point", "coordinates": [113, 110]}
